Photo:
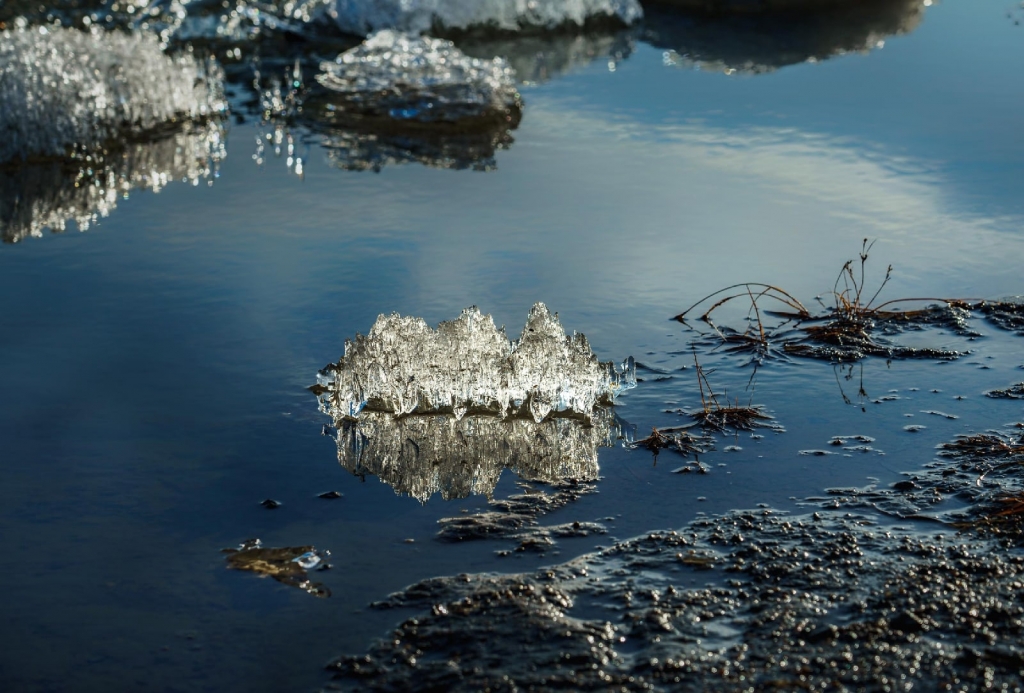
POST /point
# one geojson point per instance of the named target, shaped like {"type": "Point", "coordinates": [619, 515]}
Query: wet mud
{"type": "Point", "coordinates": [516, 518]}
{"type": "Point", "coordinates": [1012, 392]}
{"type": "Point", "coordinates": [910, 586]}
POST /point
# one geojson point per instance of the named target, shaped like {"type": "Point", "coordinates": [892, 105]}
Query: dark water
{"type": "Point", "coordinates": [152, 390]}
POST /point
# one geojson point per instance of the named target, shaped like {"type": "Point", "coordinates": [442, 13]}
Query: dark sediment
{"type": "Point", "coordinates": [516, 518]}
{"type": "Point", "coordinates": [839, 599]}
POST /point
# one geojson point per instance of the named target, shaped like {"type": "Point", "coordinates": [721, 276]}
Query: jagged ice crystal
{"type": "Point", "coordinates": [468, 365]}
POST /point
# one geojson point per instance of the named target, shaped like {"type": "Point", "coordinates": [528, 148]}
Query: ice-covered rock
{"type": "Point", "coordinates": [403, 78]}
{"type": "Point", "coordinates": [34, 197]}
{"type": "Point", "coordinates": [363, 17]}
{"type": "Point", "coordinates": [468, 365]}
{"type": "Point", "coordinates": [65, 91]}
{"type": "Point", "coordinates": [420, 456]}
{"type": "Point", "coordinates": [399, 98]}
{"type": "Point", "coordinates": [744, 42]}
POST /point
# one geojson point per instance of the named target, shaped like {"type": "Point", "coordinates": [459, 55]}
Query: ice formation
{"type": "Point", "coordinates": [401, 99]}
{"type": "Point", "coordinates": [34, 197]}
{"type": "Point", "coordinates": [65, 90]}
{"type": "Point", "coordinates": [363, 17]}
{"type": "Point", "coordinates": [468, 365]}
{"type": "Point", "coordinates": [403, 78]}
{"type": "Point", "coordinates": [419, 456]}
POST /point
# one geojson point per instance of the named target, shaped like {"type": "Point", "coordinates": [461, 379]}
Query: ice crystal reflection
{"type": "Point", "coordinates": [468, 365]}
{"type": "Point", "coordinates": [64, 91]}
{"type": "Point", "coordinates": [766, 41]}
{"type": "Point", "coordinates": [420, 456]}
{"type": "Point", "coordinates": [34, 197]}
{"type": "Point", "coordinates": [539, 58]}
{"type": "Point", "coordinates": [363, 17]}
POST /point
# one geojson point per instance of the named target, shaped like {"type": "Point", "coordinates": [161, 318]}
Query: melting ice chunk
{"type": "Point", "coordinates": [64, 89]}
{"type": "Point", "coordinates": [419, 456]}
{"type": "Point", "coordinates": [468, 365]}
{"type": "Point", "coordinates": [398, 77]}
{"type": "Point", "coordinates": [363, 17]}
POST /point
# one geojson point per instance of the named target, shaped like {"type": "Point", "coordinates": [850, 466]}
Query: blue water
{"type": "Point", "coordinates": [153, 369]}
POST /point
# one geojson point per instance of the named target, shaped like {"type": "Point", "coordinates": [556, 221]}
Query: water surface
{"type": "Point", "coordinates": [152, 391]}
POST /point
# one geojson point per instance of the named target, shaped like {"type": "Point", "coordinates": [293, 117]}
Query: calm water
{"type": "Point", "coordinates": [152, 386]}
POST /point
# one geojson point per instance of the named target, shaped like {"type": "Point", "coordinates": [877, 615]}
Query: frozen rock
{"type": "Point", "coordinates": [363, 17]}
{"type": "Point", "coordinates": [48, 195]}
{"type": "Point", "coordinates": [745, 43]}
{"type": "Point", "coordinates": [66, 91]}
{"type": "Point", "coordinates": [403, 78]}
{"type": "Point", "coordinates": [468, 365]}
{"type": "Point", "coordinates": [420, 456]}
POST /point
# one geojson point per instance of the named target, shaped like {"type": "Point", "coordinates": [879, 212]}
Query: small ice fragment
{"type": "Point", "coordinates": [363, 17]}
{"type": "Point", "coordinates": [308, 560]}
